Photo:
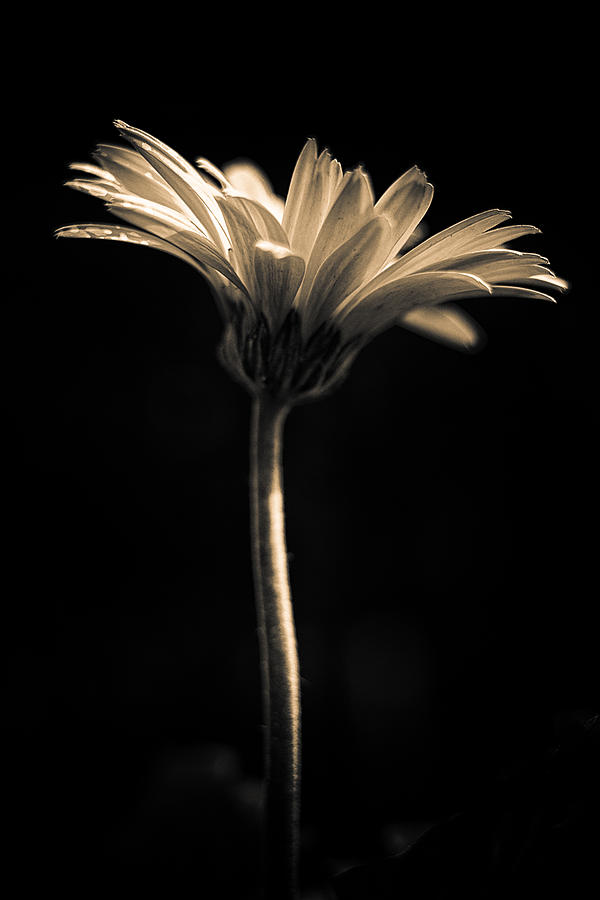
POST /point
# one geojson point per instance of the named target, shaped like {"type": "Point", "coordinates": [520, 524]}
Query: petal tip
{"type": "Point", "coordinates": [419, 172]}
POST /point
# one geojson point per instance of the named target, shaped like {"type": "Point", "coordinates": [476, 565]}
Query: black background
{"type": "Point", "coordinates": [440, 507]}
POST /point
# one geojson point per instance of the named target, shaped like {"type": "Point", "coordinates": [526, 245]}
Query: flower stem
{"type": "Point", "coordinates": [278, 653]}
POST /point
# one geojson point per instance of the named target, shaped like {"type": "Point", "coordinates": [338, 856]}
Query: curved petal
{"type": "Point", "coordinates": [278, 274]}
{"type": "Point", "coordinates": [299, 186]}
{"type": "Point", "coordinates": [509, 290]}
{"type": "Point", "coordinates": [503, 266]}
{"type": "Point", "coordinates": [349, 212]}
{"type": "Point", "coordinates": [199, 259]}
{"type": "Point", "coordinates": [314, 185]}
{"type": "Point", "coordinates": [352, 208]}
{"type": "Point", "coordinates": [447, 324]}
{"type": "Point", "coordinates": [266, 225]}
{"type": "Point", "coordinates": [244, 237]}
{"type": "Point", "coordinates": [446, 244]}
{"type": "Point", "coordinates": [518, 272]}
{"type": "Point", "coordinates": [102, 188]}
{"type": "Point", "coordinates": [417, 237]}
{"type": "Point", "coordinates": [346, 269]}
{"type": "Point", "coordinates": [103, 232]}
{"type": "Point", "coordinates": [135, 174]}
{"type": "Point", "coordinates": [179, 234]}
{"type": "Point", "coordinates": [404, 204]}
{"type": "Point", "coordinates": [182, 178]}
{"type": "Point", "coordinates": [219, 176]}
{"type": "Point", "coordinates": [91, 169]}
{"type": "Point", "coordinates": [115, 197]}
{"type": "Point", "coordinates": [474, 260]}
{"type": "Point", "coordinates": [247, 178]}
{"type": "Point", "coordinates": [548, 279]}
{"type": "Point", "coordinates": [497, 237]}
{"type": "Point", "coordinates": [381, 308]}
{"type": "Point", "coordinates": [441, 250]}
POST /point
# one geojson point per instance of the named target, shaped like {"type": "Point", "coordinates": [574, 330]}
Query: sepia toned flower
{"type": "Point", "coordinates": [303, 284]}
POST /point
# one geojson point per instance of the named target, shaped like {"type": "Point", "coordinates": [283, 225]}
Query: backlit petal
{"type": "Point", "coordinates": [299, 186]}
{"type": "Point", "coordinates": [278, 273]}
{"type": "Point", "coordinates": [101, 231]}
{"type": "Point", "coordinates": [314, 186]}
{"type": "Point", "coordinates": [500, 236]}
{"type": "Point", "coordinates": [450, 242]}
{"type": "Point", "coordinates": [135, 174]}
{"type": "Point", "coordinates": [381, 308]}
{"type": "Point", "coordinates": [190, 240]}
{"type": "Point", "coordinates": [244, 237]}
{"type": "Point", "coordinates": [404, 204]}
{"type": "Point", "coordinates": [91, 169]}
{"type": "Point", "coordinates": [447, 324]}
{"type": "Point", "coordinates": [509, 290]}
{"type": "Point", "coordinates": [346, 269]}
{"type": "Point", "coordinates": [251, 181]}
{"type": "Point", "coordinates": [267, 226]}
{"type": "Point", "coordinates": [352, 208]}
{"type": "Point", "coordinates": [182, 178]}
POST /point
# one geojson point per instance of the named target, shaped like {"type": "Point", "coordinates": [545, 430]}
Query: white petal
{"type": "Point", "coordinates": [405, 203]}
{"type": "Point", "coordinates": [137, 136]}
{"type": "Point", "coordinates": [115, 196]}
{"type": "Point", "coordinates": [380, 308]}
{"type": "Point", "coordinates": [450, 242]}
{"type": "Point", "coordinates": [266, 225]}
{"type": "Point", "coordinates": [251, 181]}
{"type": "Point", "coordinates": [548, 278]}
{"type": "Point", "coordinates": [244, 237]}
{"type": "Point", "coordinates": [352, 208]}
{"type": "Point", "coordinates": [101, 231]}
{"type": "Point", "coordinates": [157, 216]}
{"type": "Point", "coordinates": [447, 324]}
{"type": "Point", "coordinates": [509, 290]}
{"type": "Point", "coordinates": [154, 211]}
{"type": "Point", "coordinates": [513, 271]}
{"type": "Point", "coordinates": [91, 169]}
{"type": "Point", "coordinates": [302, 177]}
{"type": "Point", "coordinates": [101, 188]}
{"type": "Point", "coordinates": [182, 178]}
{"type": "Point", "coordinates": [313, 188]}
{"type": "Point", "coordinates": [186, 246]}
{"type": "Point", "coordinates": [417, 237]}
{"type": "Point", "coordinates": [497, 237]}
{"type": "Point", "coordinates": [213, 171]}
{"type": "Point", "coordinates": [472, 261]}
{"type": "Point", "coordinates": [181, 235]}
{"type": "Point", "coordinates": [346, 269]}
{"type": "Point", "coordinates": [136, 175]}
{"type": "Point", "coordinates": [278, 273]}
{"type": "Point", "coordinates": [440, 250]}
{"type": "Point", "coordinates": [505, 266]}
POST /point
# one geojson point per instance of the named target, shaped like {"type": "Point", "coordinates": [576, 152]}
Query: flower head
{"type": "Point", "coordinates": [304, 284]}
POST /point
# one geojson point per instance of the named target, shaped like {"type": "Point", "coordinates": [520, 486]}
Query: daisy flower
{"type": "Point", "coordinates": [303, 284]}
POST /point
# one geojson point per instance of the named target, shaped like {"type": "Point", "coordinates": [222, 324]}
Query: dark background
{"type": "Point", "coordinates": [440, 508]}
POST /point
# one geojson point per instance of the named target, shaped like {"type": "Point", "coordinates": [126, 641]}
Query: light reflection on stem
{"type": "Point", "coordinates": [278, 652]}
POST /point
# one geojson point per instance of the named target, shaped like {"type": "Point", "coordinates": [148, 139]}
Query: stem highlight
{"type": "Point", "coordinates": [278, 651]}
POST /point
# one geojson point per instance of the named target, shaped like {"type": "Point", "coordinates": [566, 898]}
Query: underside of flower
{"type": "Point", "coordinates": [303, 284]}
{"type": "Point", "coordinates": [282, 362]}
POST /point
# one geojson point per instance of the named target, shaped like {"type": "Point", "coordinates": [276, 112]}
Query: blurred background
{"type": "Point", "coordinates": [439, 510]}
